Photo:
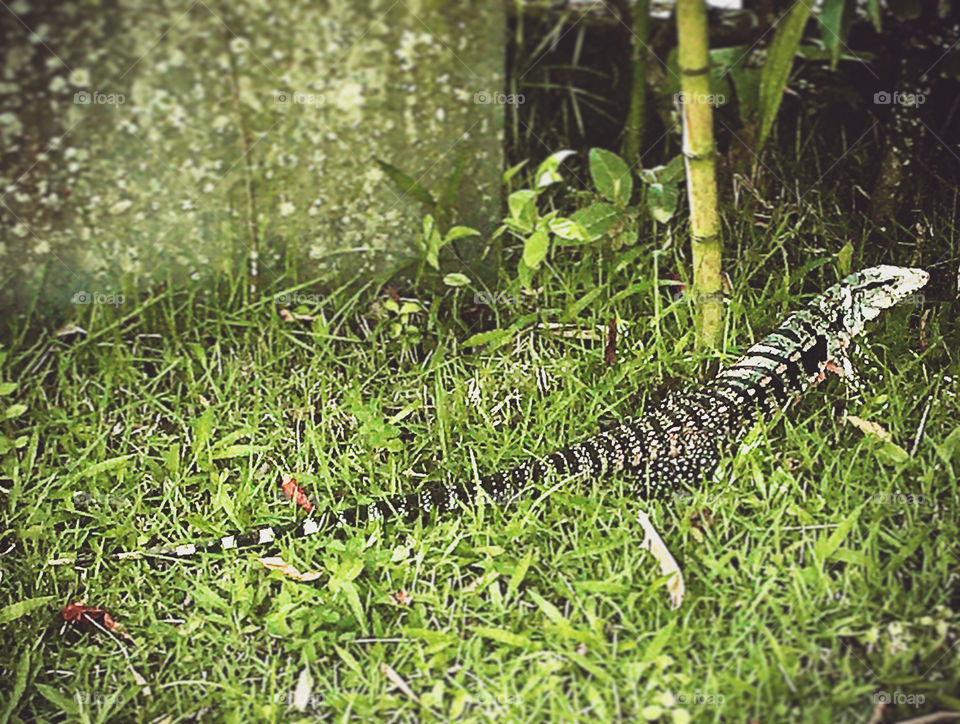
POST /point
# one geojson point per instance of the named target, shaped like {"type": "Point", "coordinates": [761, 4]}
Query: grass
{"type": "Point", "coordinates": [813, 583]}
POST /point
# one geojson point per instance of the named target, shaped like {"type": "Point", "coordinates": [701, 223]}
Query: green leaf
{"type": "Point", "coordinates": [7, 387]}
{"type": "Point", "coordinates": [598, 219]}
{"type": "Point", "coordinates": [873, 9]}
{"type": "Point", "coordinates": [569, 229]}
{"type": "Point", "coordinates": [825, 547]}
{"type": "Point", "coordinates": [19, 686]}
{"type": "Point", "coordinates": [523, 210]}
{"type": "Point", "coordinates": [890, 453]}
{"type": "Point", "coordinates": [525, 274]}
{"type": "Point", "coordinates": [627, 232]}
{"type": "Point", "coordinates": [611, 176]}
{"type": "Point", "coordinates": [451, 185]}
{"type": "Point", "coordinates": [63, 703]}
{"type": "Point", "coordinates": [15, 411]}
{"type": "Point", "coordinates": [202, 429]}
{"type": "Point", "coordinates": [746, 82]}
{"type": "Point", "coordinates": [845, 258]}
{"type": "Point", "coordinates": [431, 241]}
{"type": "Point", "coordinates": [651, 712]}
{"type": "Point", "coordinates": [950, 447]}
{"type": "Point", "coordinates": [104, 465]}
{"type": "Point", "coordinates": [548, 171]}
{"type": "Point", "coordinates": [348, 569]}
{"type": "Point", "coordinates": [776, 69]}
{"type": "Point", "coordinates": [574, 309]}
{"type": "Point", "coordinates": [513, 171]}
{"type": "Point", "coordinates": [832, 28]}
{"type": "Point", "coordinates": [238, 451]}
{"type": "Point", "coordinates": [349, 661]}
{"type": "Point", "coordinates": [456, 279]}
{"type": "Point", "coordinates": [519, 201]}
{"type": "Point", "coordinates": [519, 573]}
{"type": "Point", "coordinates": [407, 185]}
{"type": "Point", "coordinates": [675, 171]}
{"type": "Point", "coordinates": [662, 201]}
{"type": "Point", "coordinates": [535, 248]}
{"type": "Point", "coordinates": [503, 636]}
{"type": "Point", "coordinates": [561, 624]}
{"type": "Point", "coordinates": [459, 232]}
{"type": "Point", "coordinates": [493, 336]}
{"type": "Point", "coordinates": [353, 600]}
{"type": "Point", "coordinates": [19, 609]}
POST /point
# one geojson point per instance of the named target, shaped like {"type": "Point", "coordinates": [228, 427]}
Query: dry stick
{"type": "Point", "coordinates": [932, 718]}
{"type": "Point", "coordinates": [876, 716]}
{"type": "Point", "coordinates": [923, 424]}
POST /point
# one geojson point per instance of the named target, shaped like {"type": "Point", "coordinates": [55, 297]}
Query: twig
{"type": "Point", "coordinates": [936, 716]}
{"type": "Point", "coordinates": [923, 424]}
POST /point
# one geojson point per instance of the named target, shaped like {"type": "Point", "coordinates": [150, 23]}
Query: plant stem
{"type": "Point", "coordinates": [634, 128]}
{"type": "Point", "coordinates": [700, 160]}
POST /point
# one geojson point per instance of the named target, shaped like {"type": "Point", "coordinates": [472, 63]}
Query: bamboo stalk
{"type": "Point", "coordinates": [699, 154]}
{"type": "Point", "coordinates": [634, 128]}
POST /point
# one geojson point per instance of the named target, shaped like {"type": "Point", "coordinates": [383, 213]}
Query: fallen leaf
{"type": "Point", "coordinates": [141, 682]}
{"type": "Point", "coordinates": [301, 695]}
{"type": "Point", "coordinates": [889, 453]}
{"type": "Point", "coordinates": [869, 428]}
{"type": "Point", "coordinates": [275, 563]}
{"type": "Point", "coordinates": [610, 352]}
{"type": "Point", "coordinates": [397, 681]}
{"type": "Point", "coordinates": [287, 316]}
{"type": "Point", "coordinates": [668, 564]}
{"type": "Point", "coordinates": [68, 329]}
{"type": "Point", "coordinates": [402, 597]}
{"type": "Point", "coordinates": [295, 493]}
{"type": "Point", "coordinates": [80, 615]}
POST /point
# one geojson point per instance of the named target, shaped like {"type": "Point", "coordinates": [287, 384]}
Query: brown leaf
{"type": "Point", "coordinates": [869, 428]}
{"type": "Point", "coordinates": [402, 597]}
{"type": "Point", "coordinates": [610, 353]}
{"type": "Point", "coordinates": [278, 564]}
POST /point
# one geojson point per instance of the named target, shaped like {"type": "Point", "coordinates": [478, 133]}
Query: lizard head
{"type": "Point", "coordinates": [861, 296]}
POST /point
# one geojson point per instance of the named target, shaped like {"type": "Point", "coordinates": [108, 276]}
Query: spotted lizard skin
{"type": "Point", "coordinates": [678, 443]}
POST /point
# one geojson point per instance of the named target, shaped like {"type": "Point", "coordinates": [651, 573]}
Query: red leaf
{"type": "Point", "coordinates": [296, 494]}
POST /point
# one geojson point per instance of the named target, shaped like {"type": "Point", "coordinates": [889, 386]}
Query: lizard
{"type": "Point", "coordinates": [680, 442]}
